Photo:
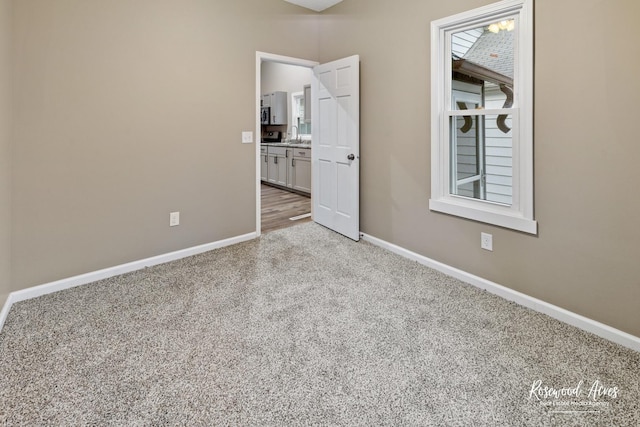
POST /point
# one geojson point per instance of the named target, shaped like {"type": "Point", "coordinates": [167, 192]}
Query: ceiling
{"type": "Point", "coordinates": [317, 5]}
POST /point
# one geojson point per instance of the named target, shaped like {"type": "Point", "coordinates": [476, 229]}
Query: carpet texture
{"type": "Point", "coordinates": [303, 327]}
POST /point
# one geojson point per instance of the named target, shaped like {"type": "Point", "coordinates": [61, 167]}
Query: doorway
{"type": "Point", "coordinates": [276, 205]}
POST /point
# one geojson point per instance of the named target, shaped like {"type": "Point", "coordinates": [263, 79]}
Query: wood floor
{"type": "Point", "coordinates": [280, 205]}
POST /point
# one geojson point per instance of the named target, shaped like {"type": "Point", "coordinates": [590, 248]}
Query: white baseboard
{"type": "Point", "coordinates": [556, 312]}
{"type": "Point", "coordinates": [5, 310]}
{"type": "Point", "coordinates": [94, 276]}
{"type": "Point", "coordinates": [566, 316]}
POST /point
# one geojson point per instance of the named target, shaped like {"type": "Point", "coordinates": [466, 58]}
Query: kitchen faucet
{"type": "Point", "coordinates": [297, 132]}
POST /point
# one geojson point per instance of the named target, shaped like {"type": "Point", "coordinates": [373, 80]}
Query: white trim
{"type": "Point", "coordinates": [5, 310]}
{"type": "Point", "coordinates": [600, 329]}
{"type": "Point", "coordinates": [520, 214]}
{"type": "Point", "coordinates": [106, 273]}
{"type": "Point", "coordinates": [488, 212]}
{"type": "Point", "coordinates": [484, 112]}
{"type": "Point", "coordinates": [260, 58]}
{"type": "Point", "coordinates": [299, 217]}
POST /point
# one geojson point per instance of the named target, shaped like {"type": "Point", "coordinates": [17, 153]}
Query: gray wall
{"type": "Point", "coordinates": [585, 258]}
{"type": "Point", "coordinates": [128, 110]}
{"type": "Point", "coordinates": [5, 149]}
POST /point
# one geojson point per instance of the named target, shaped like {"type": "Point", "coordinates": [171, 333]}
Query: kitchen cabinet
{"type": "Point", "coordinates": [307, 103]}
{"type": "Point", "coordinates": [288, 167]}
{"type": "Point", "coordinates": [300, 170]}
{"type": "Point", "coordinates": [277, 102]}
{"type": "Point", "coordinates": [277, 165]}
{"type": "Point", "coordinates": [264, 163]}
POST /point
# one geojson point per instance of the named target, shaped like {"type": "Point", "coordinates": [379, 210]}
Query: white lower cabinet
{"type": "Point", "coordinates": [264, 164]}
{"type": "Point", "coordinates": [277, 166]}
{"type": "Point", "coordinates": [287, 167]}
{"type": "Point", "coordinates": [300, 175]}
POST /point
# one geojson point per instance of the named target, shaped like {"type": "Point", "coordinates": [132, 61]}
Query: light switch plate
{"type": "Point", "coordinates": [247, 137]}
{"type": "Point", "coordinates": [174, 219]}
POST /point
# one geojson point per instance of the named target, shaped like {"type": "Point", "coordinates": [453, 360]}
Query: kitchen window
{"type": "Point", "coordinates": [482, 115]}
{"type": "Point", "coordinates": [298, 115]}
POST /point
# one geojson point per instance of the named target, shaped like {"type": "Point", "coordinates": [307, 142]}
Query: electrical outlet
{"type": "Point", "coordinates": [174, 219]}
{"type": "Point", "coordinates": [247, 137]}
{"type": "Point", "coordinates": [486, 241]}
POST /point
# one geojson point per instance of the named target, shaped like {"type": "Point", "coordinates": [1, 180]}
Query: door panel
{"type": "Point", "coordinates": [323, 194]}
{"type": "Point", "coordinates": [344, 194]}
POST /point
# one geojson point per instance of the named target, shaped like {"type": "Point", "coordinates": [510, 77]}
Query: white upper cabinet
{"type": "Point", "coordinates": [266, 100]}
{"type": "Point", "coordinates": [277, 101]}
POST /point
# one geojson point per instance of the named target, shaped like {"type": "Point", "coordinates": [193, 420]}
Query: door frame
{"type": "Point", "coordinates": [260, 58]}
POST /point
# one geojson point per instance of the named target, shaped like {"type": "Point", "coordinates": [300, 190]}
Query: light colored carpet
{"type": "Point", "coordinates": [300, 327]}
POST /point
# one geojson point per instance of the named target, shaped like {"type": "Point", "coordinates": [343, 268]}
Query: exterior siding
{"type": "Point", "coordinates": [499, 151]}
{"type": "Point", "coordinates": [462, 42]}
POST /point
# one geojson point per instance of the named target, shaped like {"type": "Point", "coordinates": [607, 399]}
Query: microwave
{"type": "Point", "coordinates": [265, 115]}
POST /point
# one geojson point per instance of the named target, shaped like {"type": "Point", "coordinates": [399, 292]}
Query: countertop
{"type": "Point", "coordinates": [287, 144]}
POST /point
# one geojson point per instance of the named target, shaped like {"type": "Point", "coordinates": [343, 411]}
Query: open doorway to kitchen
{"type": "Point", "coordinates": [283, 148]}
{"type": "Point", "coordinates": [282, 209]}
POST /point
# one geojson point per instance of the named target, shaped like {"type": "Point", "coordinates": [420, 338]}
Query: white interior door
{"type": "Point", "coordinates": [335, 109]}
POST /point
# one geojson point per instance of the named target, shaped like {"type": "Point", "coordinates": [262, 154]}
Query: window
{"type": "Point", "coordinates": [482, 115]}
{"type": "Point", "coordinates": [298, 115]}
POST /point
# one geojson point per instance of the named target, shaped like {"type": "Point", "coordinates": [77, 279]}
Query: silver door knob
{"type": "Point", "coordinates": [351, 157]}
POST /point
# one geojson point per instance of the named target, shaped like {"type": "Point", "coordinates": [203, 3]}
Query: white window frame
{"type": "Point", "coordinates": [518, 215]}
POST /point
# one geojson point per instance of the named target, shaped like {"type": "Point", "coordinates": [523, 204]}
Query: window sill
{"type": "Point", "coordinates": [484, 212]}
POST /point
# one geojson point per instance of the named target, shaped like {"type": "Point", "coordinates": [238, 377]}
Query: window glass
{"type": "Point", "coordinates": [298, 117]}
{"type": "Point", "coordinates": [483, 57]}
{"type": "Point", "coordinates": [482, 166]}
